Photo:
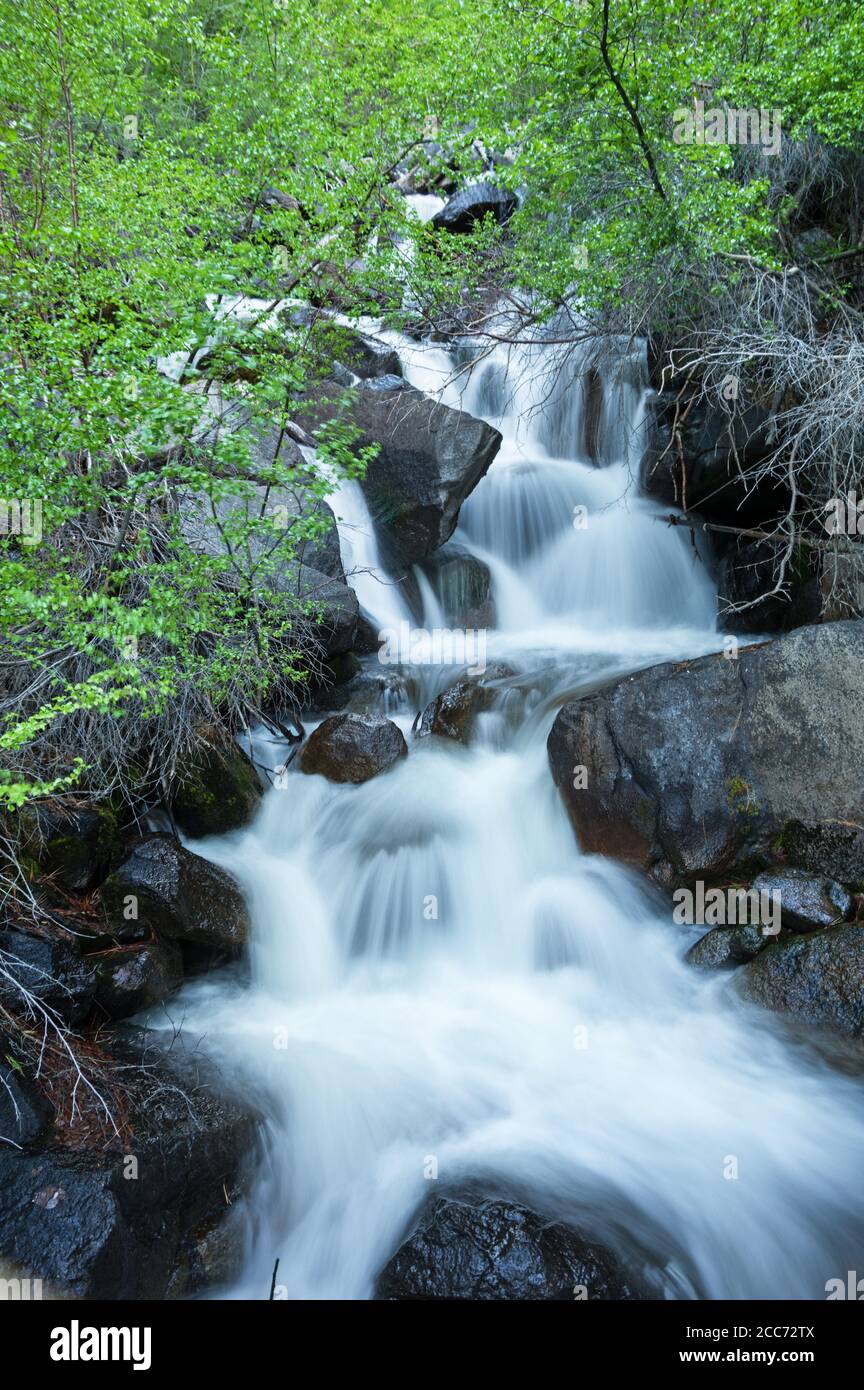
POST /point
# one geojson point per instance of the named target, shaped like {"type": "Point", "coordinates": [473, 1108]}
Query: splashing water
{"type": "Point", "coordinates": [440, 980]}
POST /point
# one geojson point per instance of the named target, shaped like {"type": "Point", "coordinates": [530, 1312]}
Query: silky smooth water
{"type": "Point", "coordinates": [443, 984]}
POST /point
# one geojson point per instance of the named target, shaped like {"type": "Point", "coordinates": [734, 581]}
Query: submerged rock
{"type": "Point", "coordinates": [695, 769]}
{"type": "Point", "coordinates": [498, 1250]}
{"type": "Point", "coordinates": [818, 978]}
{"type": "Point", "coordinates": [353, 747]}
{"type": "Point", "coordinates": [462, 583]}
{"type": "Point", "coordinates": [452, 713]}
{"type": "Point", "coordinates": [178, 894]}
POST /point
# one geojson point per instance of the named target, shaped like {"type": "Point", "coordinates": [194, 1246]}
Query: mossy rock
{"type": "Point", "coordinates": [216, 791]}
{"type": "Point", "coordinates": [73, 843]}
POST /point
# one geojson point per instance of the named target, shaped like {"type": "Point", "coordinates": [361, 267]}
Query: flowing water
{"type": "Point", "coordinates": [443, 988]}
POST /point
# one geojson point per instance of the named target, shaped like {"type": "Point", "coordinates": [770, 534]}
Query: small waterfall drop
{"type": "Point", "coordinates": [438, 972]}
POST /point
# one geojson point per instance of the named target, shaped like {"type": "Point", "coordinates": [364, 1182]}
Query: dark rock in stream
{"type": "Point", "coordinates": [473, 203]}
{"type": "Point", "coordinates": [135, 1219]}
{"type": "Point", "coordinates": [25, 1113]}
{"type": "Point", "coordinates": [178, 894]}
{"type": "Point", "coordinates": [353, 747]}
{"type": "Point", "coordinates": [429, 459]}
{"type": "Point", "coordinates": [498, 1250]}
{"type": "Point", "coordinates": [724, 948]}
{"type": "Point", "coordinates": [452, 713]}
{"type": "Point", "coordinates": [818, 978]}
{"type": "Point", "coordinates": [710, 768]}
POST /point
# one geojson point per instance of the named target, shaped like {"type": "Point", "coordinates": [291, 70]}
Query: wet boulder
{"type": "Point", "coordinates": [126, 1219]}
{"type": "Point", "coordinates": [452, 713]}
{"type": "Point", "coordinates": [178, 894]}
{"type": "Point", "coordinates": [747, 576]}
{"type": "Point", "coordinates": [216, 789]}
{"type": "Point", "coordinates": [472, 204]}
{"type": "Point", "coordinates": [135, 977]}
{"type": "Point", "coordinates": [353, 747]}
{"type": "Point", "coordinates": [462, 583]}
{"type": "Point", "coordinates": [25, 1113]}
{"type": "Point", "coordinates": [817, 978]}
{"type": "Point", "coordinates": [724, 948]}
{"type": "Point", "coordinates": [49, 969]}
{"type": "Point", "coordinates": [71, 842]}
{"type": "Point", "coordinates": [695, 769]}
{"type": "Point", "coordinates": [429, 459]}
{"type": "Point", "coordinates": [807, 901]}
{"type": "Point", "coordinates": [697, 449]}
{"type": "Point", "coordinates": [496, 1250]}
{"type": "Point", "coordinates": [365, 355]}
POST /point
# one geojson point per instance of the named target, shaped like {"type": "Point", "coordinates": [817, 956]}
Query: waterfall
{"type": "Point", "coordinates": [441, 981]}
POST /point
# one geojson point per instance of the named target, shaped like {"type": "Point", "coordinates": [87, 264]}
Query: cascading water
{"type": "Point", "coordinates": [441, 981]}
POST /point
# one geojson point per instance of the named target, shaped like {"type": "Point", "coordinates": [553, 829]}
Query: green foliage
{"type": "Point", "coordinates": [139, 151]}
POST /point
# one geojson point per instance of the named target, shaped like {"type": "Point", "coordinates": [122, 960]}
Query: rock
{"type": "Point", "coordinates": [366, 356]}
{"type": "Point", "coordinates": [269, 529]}
{"type": "Point", "coordinates": [747, 573]}
{"type": "Point", "coordinates": [216, 789]}
{"type": "Point", "coordinates": [832, 847]}
{"type": "Point", "coordinates": [25, 1113]}
{"type": "Point", "coordinates": [430, 458]}
{"type": "Point", "coordinates": [71, 842]}
{"type": "Point", "coordinates": [497, 1250]}
{"type": "Point", "coordinates": [452, 713]}
{"type": "Point", "coordinates": [712, 445]}
{"type": "Point", "coordinates": [463, 586]}
{"type": "Point", "coordinates": [807, 901]}
{"type": "Point", "coordinates": [702, 768]}
{"type": "Point", "coordinates": [722, 948]}
{"type": "Point", "coordinates": [353, 747]}
{"type": "Point", "coordinates": [178, 894]}
{"type": "Point", "coordinates": [819, 978]}
{"type": "Point", "coordinates": [472, 204]}
{"type": "Point", "coordinates": [135, 977]}
{"type": "Point", "coordinates": [118, 1221]}
{"type": "Point", "coordinates": [50, 970]}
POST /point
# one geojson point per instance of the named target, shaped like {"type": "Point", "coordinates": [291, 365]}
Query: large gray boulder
{"type": "Point", "coordinates": [430, 458]}
{"type": "Point", "coordinates": [698, 769]}
{"type": "Point", "coordinates": [496, 1250]}
{"type": "Point", "coordinates": [818, 978]}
